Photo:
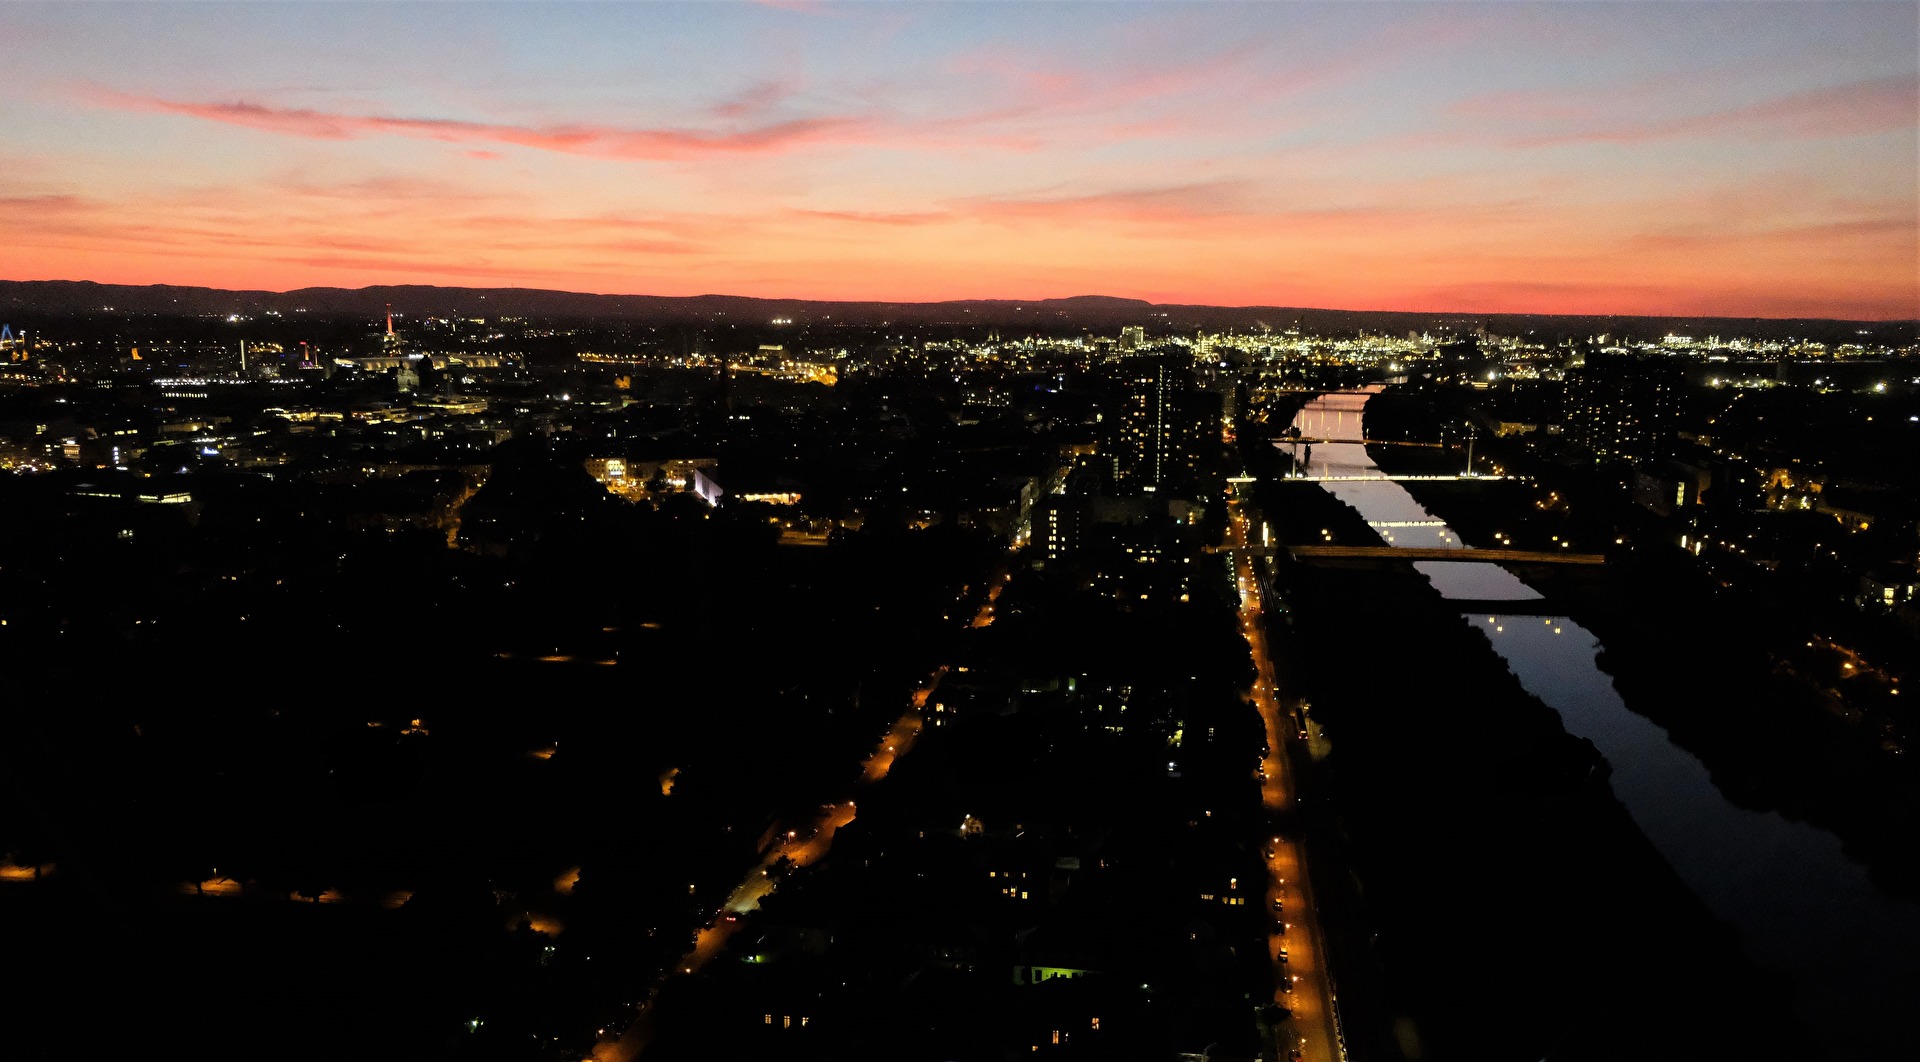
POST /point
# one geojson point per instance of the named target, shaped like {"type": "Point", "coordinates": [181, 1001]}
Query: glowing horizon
{"type": "Point", "coordinates": [1743, 160]}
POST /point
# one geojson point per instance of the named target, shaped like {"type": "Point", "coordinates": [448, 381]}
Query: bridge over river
{"type": "Point", "coordinates": [1418, 553]}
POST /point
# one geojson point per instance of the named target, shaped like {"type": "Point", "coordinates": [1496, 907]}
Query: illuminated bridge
{"type": "Point", "coordinates": [1378, 477]}
{"type": "Point", "coordinates": [1396, 553]}
{"type": "Point", "coordinates": [1288, 441]}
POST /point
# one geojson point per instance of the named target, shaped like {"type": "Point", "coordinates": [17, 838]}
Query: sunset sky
{"type": "Point", "coordinates": [1665, 158]}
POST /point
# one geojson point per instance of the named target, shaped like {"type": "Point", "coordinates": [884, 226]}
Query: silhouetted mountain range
{"type": "Point", "coordinates": [1096, 313]}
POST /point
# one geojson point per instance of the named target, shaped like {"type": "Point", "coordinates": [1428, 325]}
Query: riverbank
{"type": "Point", "coordinates": [1769, 797]}
{"type": "Point", "coordinates": [1518, 912]}
{"type": "Point", "coordinates": [1701, 659]}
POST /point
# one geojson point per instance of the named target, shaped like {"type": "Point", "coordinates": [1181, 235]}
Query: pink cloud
{"type": "Point", "coordinates": [1041, 86]}
{"type": "Point", "coordinates": [643, 247]}
{"type": "Point", "coordinates": [1171, 204]}
{"type": "Point", "coordinates": [1226, 209]}
{"type": "Point", "coordinates": [1901, 229]}
{"type": "Point", "coordinates": [1127, 98]}
{"type": "Point", "coordinates": [42, 204]}
{"type": "Point", "coordinates": [599, 141]}
{"type": "Point", "coordinates": [374, 189]}
{"type": "Point", "coordinates": [681, 226]}
{"type": "Point", "coordinates": [1239, 211]}
{"type": "Point", "coordinates": [816, 8]}
{"type": "Point", "coordinates": [1878, 105]}
{"type": "Point", "coordinates": [1558, 105]}
{"type": "Point", "coordinates": [757, 99]}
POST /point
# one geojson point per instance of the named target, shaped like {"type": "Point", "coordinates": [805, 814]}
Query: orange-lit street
{"type": "Point", "coordinates": [798, 844]}
{"type": "Point", "coordinates": [1295, 942]}
{"type": "Point", "coordinates": [10, 871]}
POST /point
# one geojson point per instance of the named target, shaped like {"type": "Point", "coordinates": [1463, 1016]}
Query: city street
{"type": "Point", "coordinates": [800, 844]}
{"type": "Point", "coordinates": [1295, 942]}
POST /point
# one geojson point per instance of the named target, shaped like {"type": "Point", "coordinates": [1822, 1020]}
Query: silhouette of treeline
{"type": "Point", "coordinates": [1098, 313]}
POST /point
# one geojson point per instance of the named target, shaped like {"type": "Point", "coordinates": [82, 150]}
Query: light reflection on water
{"type": "Point", "coordinates": [1851, 953]}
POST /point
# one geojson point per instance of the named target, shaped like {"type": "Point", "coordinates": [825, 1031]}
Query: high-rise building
{"type": "Point", "coordinates": [1160, 425]}
{"type": "Point", "coordinates": [1133, 337]}
{"type": "Point", "coordinates": [1623, 406]}
{"type": "Point", "coordinates": [1061, 522]}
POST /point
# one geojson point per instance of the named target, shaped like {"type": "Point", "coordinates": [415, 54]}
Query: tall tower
{"type": "Point", "coordinates": [726, 388]}
{"type": "Point", "coordinates": [405, 376]}
{"type": "Point", "coordinates": [14, 348]}
{"type": "Point", "coordinates": [1155, 434]}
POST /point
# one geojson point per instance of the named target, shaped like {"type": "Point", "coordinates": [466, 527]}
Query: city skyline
{"type": "Point", "coordinates": [1729, 160]}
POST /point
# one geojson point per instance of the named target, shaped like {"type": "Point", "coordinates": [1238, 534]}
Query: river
{"type": "Point", "coordinates": [1847, 954]}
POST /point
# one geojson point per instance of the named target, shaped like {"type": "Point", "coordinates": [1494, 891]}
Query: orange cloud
{"type": "Point", "coordinates": [1775, 245]}
{"type": "Point", "coordinates": [1898, 228]}
{"type": "Point", "coordinates": [438, 267]}
{"type": "Point", "coordinates": [22, 208]}
{"type": "Point", "coordinates": [1171, 205]}
{"type": "Point", "coordinates": [919, 217]}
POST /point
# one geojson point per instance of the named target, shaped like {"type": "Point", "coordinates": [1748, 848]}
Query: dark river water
{"type": "Point", "coordinates": [1848, 955]}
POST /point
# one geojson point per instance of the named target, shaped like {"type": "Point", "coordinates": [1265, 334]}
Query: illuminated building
{"type": "Point", "coordinates": [1159, 427]}
{"type": "Point", "coordinates": [1623, 407]}
{"type": "Point", "coordinates": [1061, 520]}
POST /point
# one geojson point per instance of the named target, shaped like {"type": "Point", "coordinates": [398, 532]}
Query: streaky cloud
{"type": "Point", "coordinates": [1876, 105]}
{"type": "Point", "coordinates": [598, 141]}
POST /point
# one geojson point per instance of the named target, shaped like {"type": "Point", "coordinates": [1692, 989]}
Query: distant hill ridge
{"type": "Point", "coordinates": [1079, 312]}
